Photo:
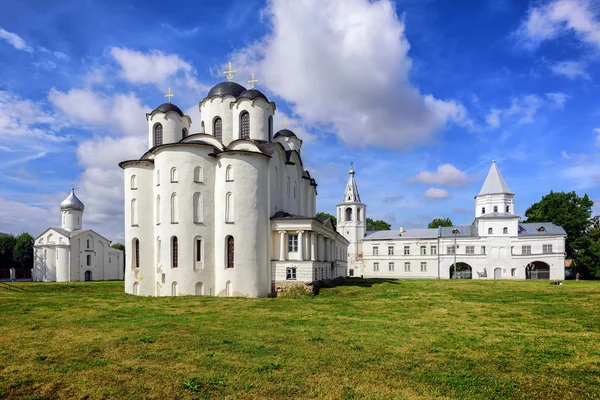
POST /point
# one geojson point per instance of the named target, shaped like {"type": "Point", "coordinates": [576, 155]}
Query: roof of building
{"type": "Point", "coordinates": [396, 234]}
{"type": "Point", "coordinates": [166, 107]}
{"type": "Point", "coordinates": [463, 231]}
{"type": "Point", "coordinates": [284, 133]}
{"type": "Point", "coordinates": [498, 215]}
{"type": "Point", "coordinates": [351, 194]}
{"type": "Point", "coordinates": [72, 202]}
{"type": "Point", "coordinates": [540, 229]}
{"type": "Point", "coordinates": [221, 89]}
{"type": "Point", "coordinates": [285, 215]}
{"type": "Point", "coordinates": [494, 183]}
{"type": "Point", "coordinates": [252, 94]}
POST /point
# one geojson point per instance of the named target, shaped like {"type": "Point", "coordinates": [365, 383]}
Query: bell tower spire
{"type": "Point", "coordinates": [351, 223]}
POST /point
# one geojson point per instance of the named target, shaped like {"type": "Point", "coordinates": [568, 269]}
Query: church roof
{"type": "Point", "coordinates": [252, 94]}
{"type": "Point", "coordinates": [229, 87]}
{"type": "Point", "coordinates": [540, 229]}
{"type": "Point", "coordinates": [351, 194]}
{"type": "Point", "coordinates": [285, 133]}
{"type": "Point", "coordinates": [497, 215]}
{"type": "Point", "coordinates": [494, 183]}
{"type": "Point", "coordinates": [166, 107]}
{"type": "Point", "coordinates": [72, 202]}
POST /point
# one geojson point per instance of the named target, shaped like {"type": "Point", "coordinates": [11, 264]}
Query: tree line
{"type": "Point", "coordinates": [16, 252]}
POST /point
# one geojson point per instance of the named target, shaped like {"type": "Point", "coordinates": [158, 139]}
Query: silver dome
{"type": "Point", "coordinates": [72, 202]}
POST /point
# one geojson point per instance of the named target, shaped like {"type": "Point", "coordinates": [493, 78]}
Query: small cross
{"type": "Point", "coordinates": [229, 72]}
{"type": "Point", "coordinates": [284, 122]}
{"type": "Point", "coordinates": [352, 164]}
{"type": "Point", "coordinates": [169, 95]}
{"type": "Point", "coordinates": [252, 80]}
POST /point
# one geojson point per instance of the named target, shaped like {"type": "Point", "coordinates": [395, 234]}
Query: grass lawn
{"type": "Point", "coordinates": [371, 339]}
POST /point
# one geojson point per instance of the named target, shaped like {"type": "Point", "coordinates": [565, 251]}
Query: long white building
{"type": "Point", "coordinates": [228, 210]}
{"type": "Point", "coordinates": [495, 246]}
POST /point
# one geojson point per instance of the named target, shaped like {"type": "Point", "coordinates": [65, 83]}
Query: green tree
{"type": "Point", "coordinates": [119, 246]}
{"type": "Point", "coordinates": [23, 251]}
{"type": "Point", "coordinates": [440, 222]}
{"type": "Point", "coordinates": [327, 215]}
{"type": "Point", "coordinates": [377, 225]}
{"type": "Point", "coordinates": [7, 245]}
{"type": "Point", "coordinates": [588, 257]}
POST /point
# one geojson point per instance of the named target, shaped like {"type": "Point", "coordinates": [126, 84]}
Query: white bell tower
{"type": "Point", "coordinates": [71, 210]}
{"type": "Point", "coordinates": [351, 223]}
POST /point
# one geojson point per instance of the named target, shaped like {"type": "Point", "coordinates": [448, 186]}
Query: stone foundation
{"type": "Point", "coordinates": [281, 287]}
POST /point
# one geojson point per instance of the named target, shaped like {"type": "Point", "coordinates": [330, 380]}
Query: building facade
{"type": "Point", "coordinates": [71, 254]}
{"type": "Point", "coordinates": [495, 246]}
{"type": "Point", "coordinates": [226, 211]}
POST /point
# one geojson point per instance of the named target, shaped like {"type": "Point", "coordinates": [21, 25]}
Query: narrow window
{"type": "Point", "coordinates": [88, 243]}
{"type": "Point", "coordinates": [184, 133]}
{"type": "Point", "coordinates": [198, 178]}
{"type": "Point", "coordinates": [433, 250]}
{"type": "Point", "coordinates": [423, 250]}
{"type": "Point", "coordinates": [174, 252]}
{"type": "Point", "coordinates": [406, 250]}
{"type": "Point", "coordinates": [218, 129]}
{"type": "Point", "coordinates": [198, 208]}
{"type": "Point", "coordinates": [135, 288]}
{"type": "Point", "coordinates": [230, 252]}
{"type": "Point", "coordinates": [294, 189]}
{"type": "Point", "coordinates": [270, 127]}
{"type": "Point", "coordinates": [495, 209]}
{"type": "Point", "coordinates": [158, 210]}
{"type": "Point", "coordinates": [348, 214]}
{"type": "Point", "coordinates": [229, 174]}
{"type": "Point", "coordinates": [507, 209]}
{"type": "Point", "coordinates": [391, 267]}
{"type": "Point", "coordinates": [133, 182]}
{"type": "Point", "coordinates": [482, 249]}
{"type": "Point", "coordinates": [229, 207]}
{"type": "Point", "coordinates": [505, 231]}
{"type": "Point", "coordinates": [244, 125]}
{"type": "Point", "coordinates": [158, 135]}
{"type": "Point", "coordinates": [423, 267]}
{"type": "Point", "coordinates": [174, 289]}
{"type": "Point", "coordinates": [174, 175]}
{"type": "Point", "coordinates": [158, 252]}
{"type": "Point", "coordinates": [490, 231]}
{"type": "Point", "coordinates": [134, 220]}
{"type": "Point", "coordinates": [483, 210]}
{"type": "Point", "coordinates": [513, 272]}
{"type": "Point", "coordinates": [89, 260]}
{"type": "Point", "coordinates": [293, 242]}
{"type": "Point", "coordinates": [390, 250]}
{"type": "Point", "coordinates": [288, 186]}
{"type": "Point", "coordinates": [198, 249]}
{"type": "Point", "coordinates": [174, 208]}
{"type": "Point", "coordinates": [137, 253]}
{"type": "Point", "coordinates": [157, 177]}
{"type": "Point", "coordinates": [202, 128]}
{"type": "Point", "coordinates": [375, 250]}
{"type": "Point", "coordinates": [406, 267]}
{"type": "Point", "coordinates": [376, 266]}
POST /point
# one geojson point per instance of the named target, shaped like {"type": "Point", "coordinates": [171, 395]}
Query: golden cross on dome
{"type": "Point", "coordinates": [229, 72]}
{"type": "Point", "coordinates": [169, 95]}
{"type": "Point", "coordinates": [284, 122]}
{"type": "Point", "coordinates": [252, 81]}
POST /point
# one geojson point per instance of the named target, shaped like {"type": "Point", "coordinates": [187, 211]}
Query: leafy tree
{"type": "Point", "coordinates": [327, 215]}
{"type": "Point", "coordinates": [377, 225]}
{"type": "Point", "coordinates": [569, 211]}
{"type": "Point", "coordinates": [7, 244]}
{"type": "Point", "coordinates": [440, 222]}
{"type": "Point", "coordinates": [23, 251]}
{"type": "Point", "coordinates": [588, 257]}
{"type": "Point", "coordinates": [118, 246]}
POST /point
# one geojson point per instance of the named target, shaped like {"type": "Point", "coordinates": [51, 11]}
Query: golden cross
{"type": "Point", "coordinates": [252, 80]}
{"type": "Point", "coordinates": [169, 95]}
{"type": "Point", "coordinates": [229, 72]}
{"type": "Point", "coordinates": [284, 122]}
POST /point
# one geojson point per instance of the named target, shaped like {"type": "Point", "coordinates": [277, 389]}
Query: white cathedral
{"type": "Point", "coordinates": [495, 246]}
{"type": "Point", "coordinates": [71, 254]}
{"type": "Point", "coordinates": [226, 211]}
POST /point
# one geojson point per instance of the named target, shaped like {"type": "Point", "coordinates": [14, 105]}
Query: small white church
{"type": "Point", "coordinates": [228, 210]}
{"type": "Point", "coordinates": [71, 254]}
{"type": "Point", "coordinates": [495, 246]}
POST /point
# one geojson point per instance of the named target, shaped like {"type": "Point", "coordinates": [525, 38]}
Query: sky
{"type": "Point", "coordinates": [421, 95]}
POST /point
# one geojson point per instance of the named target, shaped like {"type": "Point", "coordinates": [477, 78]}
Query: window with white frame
{"type": "Point", "coordinates": [406, 250]}
{"type": "Point", "coordinates": [525, 249]}
{"type": "Point", "coordinates": [423, 266]}
{"type": "Point", "coordinates": [292, 242]}
{"type": "Point", "coordinates": [290, 274]}
{"type": "Point", "coordinates": [490, 231]}
{"type": "Point", "coordinates": [450, 250]}
{"type": "Point", "coordinates": [482, 249]}
{"type": "Point", "coordinates": [376, 266]}
{"type": "Point", "coordinates": [505, 230]}
{"type": "Point", "coordinates": [547, 248]}
{"type": "Point", "coordinates": [423, 250]}
{"type": "Point", "coordinates": [433, 250]}
{"type": "Point", "coordinates": [375, 250]}
{"type": "Point", "coordinates": [406, 267]}
{"type": "Point", "coordinates": [391, 267]}
{"type": "Point", "coordinates": [390, 250]}
{"type": "Point", "coordinates": [470, 249]}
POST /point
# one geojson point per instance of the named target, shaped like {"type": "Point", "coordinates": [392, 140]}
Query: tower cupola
{"type": "Point", "coordinates": [167, 124]}
{"type": "Point", "coordinates": [71, 210]}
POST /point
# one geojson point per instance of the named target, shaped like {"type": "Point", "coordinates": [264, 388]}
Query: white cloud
{"type": "Point", "coordinates": [559, 17]}
{"type": "Point", "coordinates": [15, 40]}
{"type": "Point", "coordinates": [565, 155]}
{"type": "Point", "coordinates": [437, 193]}
{"type": "Point", "coordinates": [558, 99]}
{"type": "Point", "coordinates": [597, 132]}
{"type": "Point", "coordinates": [570, 69]}
{"type": "Point", "coordinates": [446, 175]}
{"type": "Point", "coordinates": [349, 72]}
{"type": "Point", "coordinates": [524, 109]}
{"type": "Point", "coordinates": [18, 217]}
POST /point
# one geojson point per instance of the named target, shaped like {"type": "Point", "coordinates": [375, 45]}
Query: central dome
{"type": "Point", "coordinates": [252, 94]}
{"type": "Point", "coordinates": [223, 88]}
{"type": "Point", "coordinates": [166, 107]}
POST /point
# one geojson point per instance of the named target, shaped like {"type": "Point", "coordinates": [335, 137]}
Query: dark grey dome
{"type": "Point", "coordinates": [285, 133]}
{"type": "Point", "coordinates": [223, 88]}
{"type": "Point", "coordinates": [252, 94]}
{"type": "Point", "coordinates": [166, 107]}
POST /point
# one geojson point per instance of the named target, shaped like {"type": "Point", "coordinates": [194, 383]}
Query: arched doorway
{"type": "Point", "coordinates": [498, 273]}
{"type": "Point", "coordinates": [537, 270]}
{"type": "Point", "coordinates": [87, 276]}
{"type": "Point", "coordinates": [463, 271]}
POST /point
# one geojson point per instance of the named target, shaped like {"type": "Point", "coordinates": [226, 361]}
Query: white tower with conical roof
{"type": "Point", "coordinates": [351, 223]}
{"type": "Point", "coordinates": [71, 210]}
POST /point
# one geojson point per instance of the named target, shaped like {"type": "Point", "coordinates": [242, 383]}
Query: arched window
{"type": "Point", "coordinates": [134, 213]}
{"type": "Point", "coordinates": [174, 252]}
{"type": "Point", "coordinates": [133, 182]}
{"type": "Point", "coordinates": [270, 127]}
{"type": "Point", "coordinates": [495, 209]}
{"type": "Point", "coordinates": [158, 252]}
{"type": "Point", "coordinates": [507, 209]}
{"type": "Point", "coordinates": [288, 186]}
{"type": "Point", "coordinates": [490, 231]}
{"type": "Point", "coordinates": [158, 210]}
{"type": "Point", "coordinates": [88, 260]}
{"type": "Point", "coordinates": [174, 208]}
{"type": "Point", "coordinates": [229, 174]}
{"type": "Point", "coordinates": [158, 135]}
{"type": "Point", "coordinates": [174, 175]}
{"type": "Point", "coordinates": [198, 208]}
{"type": "Point", "coordinates": [294, 189]}
{"type": "Point", "coordinates": [174, 289]}
{"type": "Point", "coordinates": [358, 216]}
{"type": "Point", "coordinates": [202, 128]}
{"type": "Point", "coordinates": [229, 207]}
{"type": "Point", "coordinates": [245, 125]}
{"type": "Point", "coordinates": [483, 210]}
{"type": "Point", "coordinates": [199, 289]}
{"type": "Point", "coordinates": [87, 242]}
{"type": "Point", "coordinates": [135, 288]}
{"type": "Point", "coordinates": [184, 133]}
{"type": "Point", "coordinates": [230, 252]}
{"type": "Point", "coordinates": [198, 178]}
{"type": "Point", "coordinates": [505, 231]}
{"type": "Point", "coordinates": [348, 214]}
{"type": "Point", "coordinates": [157, 177]}
{"type": "Point", "coordinates": [136, 246]}
{"type": "Point", "coordinates": [218, 128]}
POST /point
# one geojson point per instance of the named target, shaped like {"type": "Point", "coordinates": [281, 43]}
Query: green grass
{"type": "Point", "coordinates": [371, 339]}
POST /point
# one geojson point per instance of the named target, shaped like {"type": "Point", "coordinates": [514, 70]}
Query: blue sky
{"type": "Point", "coordinates": [421, 95]}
